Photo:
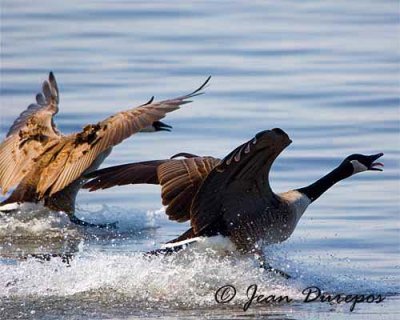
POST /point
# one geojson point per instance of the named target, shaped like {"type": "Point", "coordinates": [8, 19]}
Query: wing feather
{"type": "Point", "coordinates": [245, 167]}
{"type": "Point", "coordinates": [180, 180]}
{"type": "Point", "coordinates": [131, 173]}
{"type": "Point", "coordinates": [87, 145]}
{"type": "Point", "coordinates": [30, 135]}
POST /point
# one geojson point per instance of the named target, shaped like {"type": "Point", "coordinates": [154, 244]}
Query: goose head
{"type": "Point", "coordinates": [360, 162]}
{"type": "Point", "coordinates": [157, 126]}
{"type": "Point", "coordinates": [161, 126]}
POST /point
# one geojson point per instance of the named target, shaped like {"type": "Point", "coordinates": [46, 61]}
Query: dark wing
{"type": "Point", "coordinates": [131, 173]}
{"type": "Point", "coordinates": [30, 135]}
{"type": "Point", "coordinates": [179, 179]}
{"type": "Point", "coordinates": [83, 148]}
{"type": "Point", "coordinates": [243, 169]}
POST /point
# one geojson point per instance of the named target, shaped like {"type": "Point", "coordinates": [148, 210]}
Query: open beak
{"type": "Point", "coordinates": [376, 166]}
{"type": "Point", "coordinates": [161, 126]}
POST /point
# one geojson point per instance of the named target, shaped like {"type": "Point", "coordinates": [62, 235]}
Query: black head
{"type": "Point", "coordinates": [161, 126]}
{"type": "Point", "coordinates": [362, 162]}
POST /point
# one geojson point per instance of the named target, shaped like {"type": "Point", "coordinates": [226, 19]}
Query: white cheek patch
{"type": "Point", "coordinates": [358, 166]}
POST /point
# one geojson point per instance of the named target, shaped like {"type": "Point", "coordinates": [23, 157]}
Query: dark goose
{"type": "Point", "coordinates": [230, 197]}
{"type": "Point", "coordinates": [48, 167]}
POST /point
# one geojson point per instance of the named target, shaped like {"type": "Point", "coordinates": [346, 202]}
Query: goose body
{"type": "Point", "coordinates": [48, 167]}
{"type": "Point", "coordinates": [230, 197]}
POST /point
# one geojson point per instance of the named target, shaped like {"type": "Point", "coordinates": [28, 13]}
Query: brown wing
{"type": "Point", "coordinates": [130, 173]}
{"type": "Point", "coordinates": [83, 148]}
{"type": "Point", "coordinates": [31, 134]}
{"type": "Point", "coordinates": [180, 180]}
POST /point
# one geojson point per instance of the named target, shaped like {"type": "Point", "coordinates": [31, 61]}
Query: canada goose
{"type": "Point", "coordinates": [48, 167]}
{"type": "Point", "coordinates": [230, 197]}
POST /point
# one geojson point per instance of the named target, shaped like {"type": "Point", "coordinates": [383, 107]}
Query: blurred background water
{"type": "Point", "coordinates": [326, 72]}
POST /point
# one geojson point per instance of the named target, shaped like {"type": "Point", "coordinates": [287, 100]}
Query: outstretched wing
{"type": "Point", "coordinates": [180, 179]}
{"type": "Point", "coordinates": [130, 173]}
{"type": "Point", "coordinates": [84, 148]}
{"type": "Point", "coordinates": [30, 135]}
{"type": "Point", "coordinates": [243, 172]}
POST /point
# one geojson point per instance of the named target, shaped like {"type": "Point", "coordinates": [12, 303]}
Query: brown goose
{"type": "Point", "coordinates": [48, 167]}
{"type": "Point", "coordinates": [230, 197]}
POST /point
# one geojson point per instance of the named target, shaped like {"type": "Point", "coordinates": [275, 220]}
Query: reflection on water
{"type": "Point", "coordinates": [327, 73]}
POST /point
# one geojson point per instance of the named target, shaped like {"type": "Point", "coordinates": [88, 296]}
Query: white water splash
{"type": "Point", "coordinates": [187, 279]}
{"type": "Point", "coordinates": [190, 278]}
{"type": "Point", "coordinates": [32, 220]}
{"type": "Point", "coordinates": [127, 219]}
{"type": "Point", "coordinates": [184, 280]}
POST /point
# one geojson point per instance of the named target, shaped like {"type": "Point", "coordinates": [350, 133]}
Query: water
{"type": "Point", "coordinates": [327, 73]}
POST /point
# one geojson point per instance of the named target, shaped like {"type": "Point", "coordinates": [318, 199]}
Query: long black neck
{"type": "Point", "coordinates": [314, 190]}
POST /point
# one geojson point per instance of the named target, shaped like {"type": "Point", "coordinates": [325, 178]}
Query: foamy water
{"type": "Point", "coordinates": [129, 279]}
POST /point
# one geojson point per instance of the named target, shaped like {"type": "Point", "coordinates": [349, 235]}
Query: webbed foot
{"type": "Point", "coordinates": [268, 268]}
{"type": "Point", "coordinates": [259, 255]}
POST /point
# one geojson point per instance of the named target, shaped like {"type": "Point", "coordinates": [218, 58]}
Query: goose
{"type": "Point", "coordinates": [231, 197]}
{"type": "Point", "coordinates": [48, 167]}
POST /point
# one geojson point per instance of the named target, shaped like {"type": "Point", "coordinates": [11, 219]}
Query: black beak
{"type": "Point", "coordinates": [375, 166]}
{"type": "Point", "coordinates": [161, 126]}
